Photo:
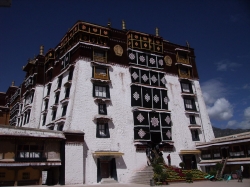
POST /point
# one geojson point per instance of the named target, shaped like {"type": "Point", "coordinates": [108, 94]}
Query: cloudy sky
{"type": "Point", "coordinates": [217, 30]}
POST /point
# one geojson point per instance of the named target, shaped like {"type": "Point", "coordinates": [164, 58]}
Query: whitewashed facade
{"type": "Point", "coordinates": [73, 99]}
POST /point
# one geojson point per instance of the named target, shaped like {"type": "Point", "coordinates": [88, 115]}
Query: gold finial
{"type": "Point", "coordinates": [123, 25]}
{"type": "Point", "coordinates": [41, 49]}
{"type": "Point", "coordinates": [187, 44]}
{"type": "Point", "coordinates": [109, 23]}
{"type": "Point", "coordinates": [156, 31]}
{"type": "Point", "coordinates": [13, 83]}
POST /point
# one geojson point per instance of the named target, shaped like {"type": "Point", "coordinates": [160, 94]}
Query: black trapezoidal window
{"type": "Point", "coordinates": [101, 91]}
{"type": "Point", "coordinates": [189, 104]}
{"type": "Point", "coordinates": [102, 130]}
{"type": "Point", "coordinates": [192, 119]}
{"type": "Point", "coordinates": [102, 109]}
{"type": "Point", "coordinates": [186, 87]}
{"type": "Point", "coordinates": [195, 135]}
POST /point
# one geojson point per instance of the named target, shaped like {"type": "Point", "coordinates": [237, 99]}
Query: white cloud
{"type": "Point", "coordinates": [225, 65]}
{"type": "Point", "coordinates": [221, 110]}
{"type": "Point", "coordinates": [244, 124]}
{"type": "Point", "coordinates": [212, 90]}
{"type": "Point", "coordinates": [214, 93]}
{"type": "Point", "coordinates": [246, 86]}
{"type": "Point", "coordinates": [247, 113]}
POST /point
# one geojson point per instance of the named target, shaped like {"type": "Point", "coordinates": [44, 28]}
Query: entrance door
{"type": "Point", "coordinates": [105, 173]}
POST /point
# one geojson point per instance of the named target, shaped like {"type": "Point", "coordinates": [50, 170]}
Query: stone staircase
{"type": "Point", "coordinates": [108, 181]}
{"type": "Point", "coordinates": [143, 176]}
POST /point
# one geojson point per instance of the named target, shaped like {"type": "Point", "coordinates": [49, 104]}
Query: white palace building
{"type": "Point", "coordinates": [90, 107]}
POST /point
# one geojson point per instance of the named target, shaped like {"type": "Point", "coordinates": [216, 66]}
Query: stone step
{"type": "Point", "coordinates": [143, 176]}
{"type": "Point", "coordinates": [108, 181]}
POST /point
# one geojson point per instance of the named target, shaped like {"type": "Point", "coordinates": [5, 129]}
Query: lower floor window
{"type": "Point", "coordinates": [195, 135]}
{"type": "Point", "coordinates": [102, 130]}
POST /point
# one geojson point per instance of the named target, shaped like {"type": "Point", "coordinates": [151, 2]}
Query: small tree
{"type": "Point", "coordinates": [189, 177]}
{"type": "Point", "coordinates": [164, 176]}
{"type": "Point", "coordinates": [182, 165]}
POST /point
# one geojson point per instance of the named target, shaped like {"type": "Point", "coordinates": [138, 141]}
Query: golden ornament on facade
{"type": "Point", "coordinates": [95, 29]}
{"type": "Point", "coordinates": [105, 32]}
{"type": "Point", "coordinates": [128, 36]}
{"type": "Point", "coordinates": [158, 48]}
{"type": "Point", "coordinates": [83, 27]}
{"type": "Point", "coordinates": [145, 45]}
{"type": "Point", "coordinates": [168, 60]}
{"type": "Point", "coordinates": [144, 38]}
{"type": "Point", "coordinates": [118, 50]}
{"type": "Point", "coordinates": [136, 43]}
{"type": "Point", "coordinates": [157, 41]}
{"type": "Point", "coordinates": [75, 28]}
{"type": "Point", "coordinates": [50, 54]}
{"type": "Point", "coordinates": [136, 37]}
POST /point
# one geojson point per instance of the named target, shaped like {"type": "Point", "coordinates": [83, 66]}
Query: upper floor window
{"type": "Point", "coordinates": [54, 115]}
{"type": "Point", "coordinates": [44, 119]}
{"type": "Point", "coordinates": [186, 87]}
{"type": "Point", "coordinates": [184, 72]}
{"type": "Point", "coordinates": [195, 135]}
{"type": "Point", "coordinates": [102, 130]}
{"type": "Point", "coordinates": [64, 110]}
{"type": "Point", "coordinates": [189, 104]}
{"type": "Point", "coordinates": [101, 73]}
{"type": "Point", "coordinates": [57, 98]}
{"type": "Point", "coordinates": [101, 91]}
{"type": "Point", "coordinates": [70, 75]}
{"type": "Point", "coordinates": [67, 92]}
{"type": "Point", "coordinates": [100, 56]}
{"type": "Point", "coordinates": [182, 57]}
{"type": "Point", "coordinates": [48, 89]}
{"type": "Point", "coordinates": [192, 119]}
{"type": "Point", "coordinates": [59, 82]}
{"type": "Point", "coordinates": [102, 109]}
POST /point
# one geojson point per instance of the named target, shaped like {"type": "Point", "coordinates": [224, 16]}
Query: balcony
{"type": "Point", "coordinates": [100, 58]}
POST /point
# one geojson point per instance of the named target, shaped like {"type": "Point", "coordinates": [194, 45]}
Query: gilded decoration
{"type": "Point", "coordinates": [118, 50]}
{"type": "Point", "coordinates": [168, 60]}
{"type": "Point", "coordinates": [144, 41]}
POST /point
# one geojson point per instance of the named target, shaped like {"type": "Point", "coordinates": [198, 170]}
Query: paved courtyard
{"type": "Point", "coordinates": [231, 183]}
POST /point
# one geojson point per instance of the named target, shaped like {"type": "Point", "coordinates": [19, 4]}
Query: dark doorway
{"type": "Point", "coordinates": [105, 173]}
{"type": "Point", "coordinates": [190, 161]}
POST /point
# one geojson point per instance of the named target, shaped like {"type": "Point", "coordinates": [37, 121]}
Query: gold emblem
{"type": "Point", "coordinates": [168, 60]}
{"type": "Point", "coordinates": [128, 36]}
{"type": "Point", "coordinates": [136, 43]}
{"type": "Point", "coordinates": [105, 32]}
{"type": "Point", "coordinates": [145, 45]}
{"type": "Point", "coordinates": [118, 50]}
{"type": "Point", "coordinates": [157, 41]}
{"type": "Point", "coordinates": [95, 29]}
{"type": "Point", "coordinates": [50, 54]}
{"type": "Point", "coordinates": [144, 38]}
{"type": "Point", "coordinates": [136, 37]}
{"type": "Point", "coordinates": [158, 48]}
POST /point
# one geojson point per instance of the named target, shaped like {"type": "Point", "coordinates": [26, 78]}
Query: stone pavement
{"type": "Point", "coordinates": [231, 183]}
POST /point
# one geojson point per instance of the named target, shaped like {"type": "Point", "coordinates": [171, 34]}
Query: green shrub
{"type": "Point", "coordinates": [218, 166]}
{"type": "Point", "coordinates": [189, 176]}
{"type": "Point", "coordinates": [157, 169]}
{"type": "Point", "coordinates": [164, 176]}
{"type": "Point", "coordinates": [182, 165]}
{"type": "Point", "coordinates": [160, 160]}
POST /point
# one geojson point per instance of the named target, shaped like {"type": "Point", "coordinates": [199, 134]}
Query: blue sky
{"type": "Point", "coordinates": [217, 30]}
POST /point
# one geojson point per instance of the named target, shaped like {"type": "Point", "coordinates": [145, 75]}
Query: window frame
{"type": "Point", "coordinates": [195, 135]}
{"type": "Point", "coordinates": [99, 76]}
{"type": "Point", "coordinates": [64, 110]}
{"type": "Point", "coordinates": [192, 119]}
{"type": "Point", "coordinates": [105, 128]}
{"type": "Point", "coordinates": [103, 86]}
{"type": "Point", "coordinates": [104, 112]}
{"type": "Point", "coordinates": [99, 58]}
{"type": "Point", "coordinates": [189, 87]}
{"type": "Point", "coordinates": [185, 99]}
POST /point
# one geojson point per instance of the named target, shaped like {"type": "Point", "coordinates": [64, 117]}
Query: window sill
{"type": "Point", "coordinates": [100, 80]}
{"type": "Point", "coordinates": [46, 98]}
{"type": "Point", "coordinates": [65, 100]}
{"type": "Point", "coordinates": [57, 90]}
{"type": "Point", "coordinates": [44, 111]}
{"type": "Point", "coordinates": [192, 112]}
{"type": "Point", "coordinates": [54, 106]}
{"type": "Point", "coordinates": [194, 126]}
{"type": "Point", "coordinates": [188, 94]}
{"type": "Point", "coordinates": [68, 83]}
{"type": "Point", "coordinates": [102, 100]}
